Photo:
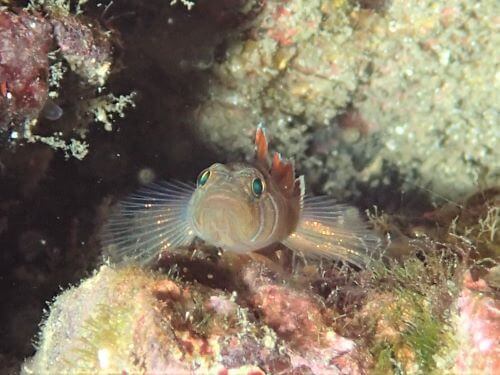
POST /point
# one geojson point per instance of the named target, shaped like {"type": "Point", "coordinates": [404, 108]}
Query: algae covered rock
{"type": "Point", "coordinates": [133, 321]}
{"type": "Point", "coordinates": [478, 326]}
{"type": "Point", "coordinates": [54, 65]}
{"type": "Point", "coordinates": [201, 312]}
{"type": "Point", "coordinates": [25, 41]}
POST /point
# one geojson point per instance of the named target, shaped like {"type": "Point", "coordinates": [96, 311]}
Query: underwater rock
{"type": "Point", "coordinates": [478, 328]}
{"type": "Point", "coordinates": [38, 46]}
{"type": "Point", "coordinates": [135, 321]}
{"type": "Point", "coordinates": [293, 315]}
{"type": "Point", "coordinates": [421, 79]}
{"type": "Point", "coordinates": [25, 41]}
{"type": "Point", "coordinates": [91, 59]}
{"type": "Point", "coordinates": [202, 312]}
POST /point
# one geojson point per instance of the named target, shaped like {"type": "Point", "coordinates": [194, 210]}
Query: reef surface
{"type": "Point", "coordinates": [353, 91]}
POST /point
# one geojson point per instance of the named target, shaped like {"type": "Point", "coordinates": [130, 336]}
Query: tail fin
{"type": "Point", "coordinates": [332, 230]}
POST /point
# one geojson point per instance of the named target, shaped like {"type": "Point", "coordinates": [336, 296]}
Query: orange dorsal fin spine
{"type": "Point", "coordinates": [261, 146]}
{"type": "Point", "coordinates": [276, 161]}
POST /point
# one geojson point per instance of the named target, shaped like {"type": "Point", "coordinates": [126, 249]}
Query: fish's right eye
{"type": "Point", "coordinates": [203, 178]}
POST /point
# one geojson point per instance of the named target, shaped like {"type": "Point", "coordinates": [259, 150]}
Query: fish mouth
{"type": "Point", "coordinates": [221, 220]}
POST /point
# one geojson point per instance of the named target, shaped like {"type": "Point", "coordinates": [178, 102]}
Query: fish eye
{"type": "Point", "coordinates": [257, 187]}
{"type": "Point", "coordinates": [203, 178]}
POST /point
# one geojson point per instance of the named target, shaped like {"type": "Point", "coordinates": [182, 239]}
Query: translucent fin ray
{"type": "Point", "coordinates": [332, 230]}
{"type": "Point", "coordinates": [148, 222]}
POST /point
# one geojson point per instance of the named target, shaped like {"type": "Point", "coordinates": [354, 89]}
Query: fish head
{"type": "Point", "coordinates": [234, 207]}
{"type": "Point", "coordinates": [247, 206]}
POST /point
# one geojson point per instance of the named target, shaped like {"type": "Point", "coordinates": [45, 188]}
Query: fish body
{"type": "Point", "coordinates": [238, 207]}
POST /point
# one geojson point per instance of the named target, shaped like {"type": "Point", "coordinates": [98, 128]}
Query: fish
{"type": "Point", "coordinates": [241, 208]}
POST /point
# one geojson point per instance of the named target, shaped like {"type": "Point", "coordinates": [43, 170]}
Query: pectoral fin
{"type": "Point", "coordinates": [333, 230]}
{"type": "Point", "coordinates": [148, 222]}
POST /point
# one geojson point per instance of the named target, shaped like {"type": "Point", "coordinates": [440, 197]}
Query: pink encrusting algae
{"type": "Point", "coordinates": [25, 41]}
{"type": "Point", "coordinates": [132, 321]}
{"type": "Point", "coordinates": [478, 324]}
{"type": "Point", "coordinates": [38, 45]}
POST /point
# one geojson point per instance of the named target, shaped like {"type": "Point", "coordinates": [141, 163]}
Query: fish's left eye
{"type": "Point", "coordinates": [203, 178]}
{"type": "Point", "coordinates": [257, 187]}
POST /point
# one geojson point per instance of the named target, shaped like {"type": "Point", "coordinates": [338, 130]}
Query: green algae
{"type": "Point", "coordinates": [106, 334]}
{"type": "Point", "coordinates": [407, 314]}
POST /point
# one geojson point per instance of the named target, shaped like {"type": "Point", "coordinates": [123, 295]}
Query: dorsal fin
{"type": "Point", "coordinates": [282, 171]}
{"type": "Point", "coordinates": [261, 147]}
{"type": "Point", "coordinates": [299, 190]}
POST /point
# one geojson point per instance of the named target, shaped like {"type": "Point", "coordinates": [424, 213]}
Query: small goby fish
{"type": "Point", "coordinates": [238, 207]}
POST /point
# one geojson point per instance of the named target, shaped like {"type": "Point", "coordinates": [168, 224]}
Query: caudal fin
{"type": "Point", "coordinates": [332, 230]}
{"type": "Point", "coordinates": [146, 223]}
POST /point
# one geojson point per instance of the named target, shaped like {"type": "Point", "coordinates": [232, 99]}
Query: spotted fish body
{"type": "Point", "coordinates": [241, 208]}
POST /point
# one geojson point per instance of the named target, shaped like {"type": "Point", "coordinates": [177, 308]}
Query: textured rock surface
{"type": "Point", "coordinates": [38, 46]}
{"type": "Point", "coordinates": [25, 41]}
{"type": "Point", "coordinates": [352, 93]}
{"type": "Point", "coordinates": [131, 321]}
{"type": "Point", "coordinates": [412, 317]}
{"type": "Point", "coordinates": [91, 59]}
{"type": "Point", "coordinates": [478, 324]}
